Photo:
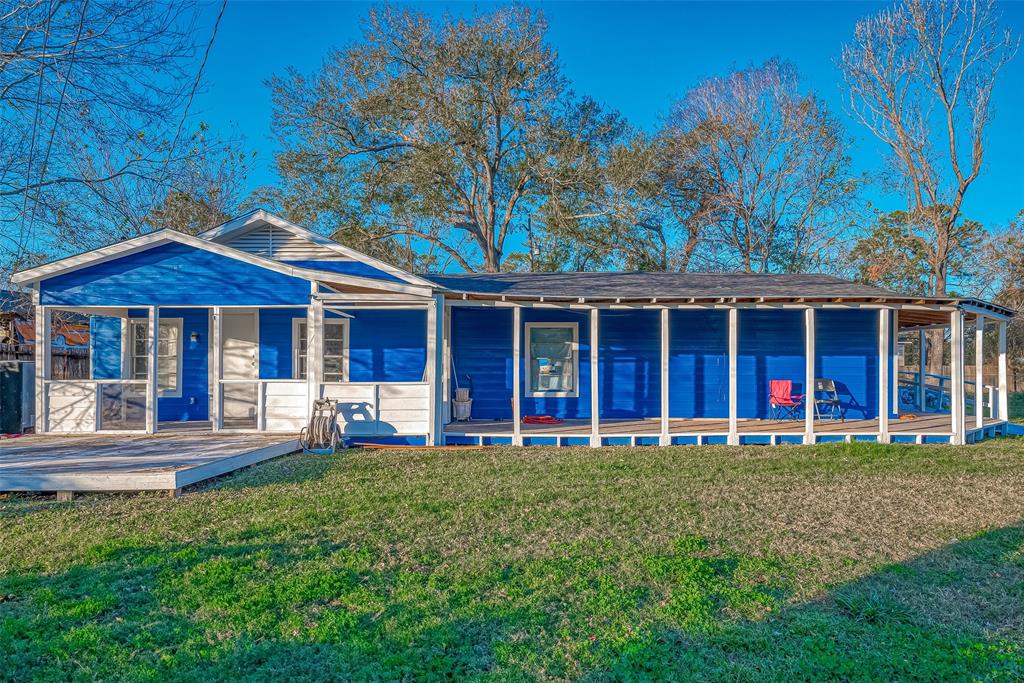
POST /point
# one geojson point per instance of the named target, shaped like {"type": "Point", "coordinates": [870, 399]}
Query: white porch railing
{"type": "Point", "coordinates": [381, 408]}
{"type": "Point", "coordinates": [94, 405]}
{"type": "Point", "coordinates": [271, 405]}
{"type": "Point", "coordinates": [938, 394]}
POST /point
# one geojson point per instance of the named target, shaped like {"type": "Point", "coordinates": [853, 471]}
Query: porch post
{"type": "Point", "coordinates": [595, 403]}
{"type": "Point", "coordinates": [894, 401]}
{"type": "Point", "coordinates": [435, 333]}
{"type": "Point", "coordinates": [152, 391]}
{"type": "Point", "coordinates": [217, 363]}
{"type": "Point", "coordinates": [42, 352]}
{"type": "Point", "coordinates": [314, 348]}
{"type": "Point", "coordinates": [446, 370]}
{"type": "Point", "coordinates": [956, 323]}
{"type": "Point", "coordinates": [517, 380]}
{"type": "Point", "coordinates": [1004, 396]}
{"type": "Point", "coordinates": [922, 341]}
{"type": "Point", "coordinates": [809, 372]}
{"type": "Point", "coordinates": [979, 375]}
{"type": "Point", "coordinates": [734, 346]}
{"type": "Point", "coordinates": [664, 439]}
{"type": "Point", "coordinates": [883, 375]}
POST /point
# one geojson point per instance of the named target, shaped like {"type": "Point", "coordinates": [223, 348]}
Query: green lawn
{"type": "Point", "coordinates": [785, 563]}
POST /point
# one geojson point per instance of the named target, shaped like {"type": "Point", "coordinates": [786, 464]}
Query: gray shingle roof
{"type": "Point", "coordinates": [628, 285]}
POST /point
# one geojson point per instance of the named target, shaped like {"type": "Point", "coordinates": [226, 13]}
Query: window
{"type": "Point", "coordinates": [335, 350]}
{"type": "Point", "coordinates": [553, 359]}
{"type": "Point", "coordinates": [168, 354]}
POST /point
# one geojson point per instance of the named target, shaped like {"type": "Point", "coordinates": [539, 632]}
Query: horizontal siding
{"type": "Point", "coordinates": [356, 268]}
{"type": "Point", "coordinates": [481, 341]}
{"type": "Point", "coordinates": [105, 347]}
{"type": "Point", "coordinates": [276, 341]}
{"type": "Point", "coordinates": [698, 363]}
{"type": "Point", "coordinates": [194, 402]}
{"type": "Point", "coordinates": [629, 367]}
{"type": "Point", "coordinates": [173, 274]}
{"type": "Point", "coordinates": [846, 351]}
{"type": "Point", "coordinates": [771, 346]}
{"type": "Point", "coordinates": [387, 346]}
{"type": "Point", "coordinates": [71, 407]}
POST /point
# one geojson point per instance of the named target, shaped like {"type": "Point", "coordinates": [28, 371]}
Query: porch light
{"type": "Point", "coordinates": [194, 337]}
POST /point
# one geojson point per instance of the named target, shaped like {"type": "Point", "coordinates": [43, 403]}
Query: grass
{"type": "Point", "coordinates": [851, 562]}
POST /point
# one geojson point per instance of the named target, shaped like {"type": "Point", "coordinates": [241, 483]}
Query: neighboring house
{"type": "Point", "coordinates": [257, 317]}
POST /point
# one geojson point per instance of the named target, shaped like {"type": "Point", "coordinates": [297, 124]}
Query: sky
{"type": "Point", "coordinates": [633, 57]}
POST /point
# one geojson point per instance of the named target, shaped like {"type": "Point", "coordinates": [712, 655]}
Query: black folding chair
{"type": "Point", "coordinates": [826, 400]}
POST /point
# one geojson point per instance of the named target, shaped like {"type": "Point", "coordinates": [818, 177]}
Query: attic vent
{"type": "Point", "coordinates": [273, 242]}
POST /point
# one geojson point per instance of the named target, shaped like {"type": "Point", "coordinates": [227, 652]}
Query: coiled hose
{"type": "Point", "coordinates": [322, 432]}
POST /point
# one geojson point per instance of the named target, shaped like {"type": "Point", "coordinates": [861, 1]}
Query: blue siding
{"type": "Point", "coordinates": [482, 356]}
{"type": "Point", "coordinates": [846, 351]}
{"type": "Point", "coordinates": [387, 346]}
{"type": "Point", "coordinates": [562, 407]}
{"type": "Point", "coordinates": [771, 346]}
{"type": "Point", "coordinates": [276, 341]}
{"type": "Point", "coordinates": [357, 268]}
{"type": "Point", "coordinates": [698, 363]}
{"type": "Point", "coordinates": [629, 363]}
{"type": "Point", "coordinates": [105, 347]}
{"type": "Point", "coordinates": [194, 402]}
{"type": "Point", "coordinates": [173, 274]}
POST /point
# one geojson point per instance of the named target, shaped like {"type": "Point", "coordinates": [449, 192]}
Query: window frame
{"type": "Point", "coordinates": [297, 323]}
{"type": "Point", "coordinates": [128, 353]}
{"type": "Point", "coordinates": [533, 391]}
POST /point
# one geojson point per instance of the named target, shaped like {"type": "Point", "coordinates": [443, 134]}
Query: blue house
{"type": "Point", "coordinates": [243, 326]}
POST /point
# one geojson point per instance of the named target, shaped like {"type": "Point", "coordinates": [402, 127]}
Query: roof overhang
{"type": "Point", "coordinates": [259, 217]}
{"type": "Point", "coordinates": [162, 237]}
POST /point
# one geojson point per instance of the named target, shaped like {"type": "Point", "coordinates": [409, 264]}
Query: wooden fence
{"type": "Point", "coordinates": [65, 362]}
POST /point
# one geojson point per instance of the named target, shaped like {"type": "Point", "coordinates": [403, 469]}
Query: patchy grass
{"type": "Point", "coordinates": [834, 562]}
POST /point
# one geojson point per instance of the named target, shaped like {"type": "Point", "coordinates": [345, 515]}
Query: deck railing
{"type": "Point", "coordinates": [938, 394]}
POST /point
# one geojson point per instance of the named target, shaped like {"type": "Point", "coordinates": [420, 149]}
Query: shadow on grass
{"type": "Point", "coordinates": [314, 610]}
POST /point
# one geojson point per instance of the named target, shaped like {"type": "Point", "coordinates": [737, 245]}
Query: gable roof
{"type": "Point", "coordinates": [246, 223]}
{"type": "Point", "coordinates": [161, 237]}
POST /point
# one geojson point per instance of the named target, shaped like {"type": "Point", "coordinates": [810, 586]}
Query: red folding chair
{"type": "Point", "coordinates": [781, 401]}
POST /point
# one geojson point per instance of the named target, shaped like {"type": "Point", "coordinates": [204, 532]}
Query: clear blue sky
{"type": "Point", "coordinates": [633, 57]}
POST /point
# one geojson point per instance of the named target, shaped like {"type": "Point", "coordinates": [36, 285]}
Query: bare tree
{"type": "Point", "coordinates": [776, 168]}
{"type": "Point", "coordinates": [449, 132]}
{"type": "Point", "coordinates": [94, 109]}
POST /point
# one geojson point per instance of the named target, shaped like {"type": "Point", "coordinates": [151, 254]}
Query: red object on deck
{"type": "Point", "coordinates": [541, 420]}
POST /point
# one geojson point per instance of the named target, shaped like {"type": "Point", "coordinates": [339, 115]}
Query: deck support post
{"type": "Point", "coordinates": [883, 375]}
{"type": "Point", "coordinates": [922, 341]}
{"type": "Point", "coordinates": [315, 348]}
{"type": "Point", "coordinates": [734, 346]}
{"type": "Point", "coordinates": [809, 368]}
{"type": "Point", "coordinates": [217, 366]}
{"type": "Point", "coordinates": [42, 370]}
{"type": "Point", "coordinates": [956, 323]}
{"type": "Point", "coordinates": [664, 439]}
{"type": "Point", "coordinates": [435, 369]}
{"type": "Point", "coordinates": [517, 379]}
{"type": "Point", "coordinates": [1004, 395]}
{"type": "Point", "coordinates": [595, 403]}
{"type": "Point", "coordinates": [152, 388]}
{"type": "Point", "coordinates": [979, 375]}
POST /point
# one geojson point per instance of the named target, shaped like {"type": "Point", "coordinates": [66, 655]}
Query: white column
{"type": "Point", "coordinates": [42, 351]}
{"type": "Point", "coordinates": [315, 349]}
{"type": "Point", "coordinates": [217, 363]}
{"type": "Point", "coordinates": [152, 389]}
{"type": "Point", "coordinates": [956, 388]}
{"type": "Point", "coordinates": [1004, 395]}
{"type": "Point", "coordinates": [809, 376]}
{"type": "Point", "coordinates": [664, 439]}
{"type": "Point", "coordinates": [595, 403]}
{"type": "Point", "coordinates": [517, 379]}
{"type": "Point", "coordinates": [895, 336]}
{"type": "Point", "coordinates": [734, 346]}
{"type": "Point", "coordinates": [446, 370]}
{"type": "Point", "coordinates": [435, 368]}
{"type": "Point", "coordinates": [883, 375]}
{"type": "Point", "coordinates": [979, 375]}
{"type": "Point", "coordinates": [922, 365]}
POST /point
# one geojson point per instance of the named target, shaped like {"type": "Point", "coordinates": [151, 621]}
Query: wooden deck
{"type": "Point", "coordinates": [927, 425]}
{"type": "Point", "coordinates": [114, 462]}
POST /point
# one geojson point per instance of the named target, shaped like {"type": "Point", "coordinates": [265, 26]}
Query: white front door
{"type": "Point", "coordinates": [240, 334]}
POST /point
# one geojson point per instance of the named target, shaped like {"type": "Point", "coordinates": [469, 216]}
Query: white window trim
{"type": "Point", "coordinates": [126, 351]}
{"type": "Point", "coordinates": [296, 322]}
{"type": "Point", "coordinates": [530, 390]}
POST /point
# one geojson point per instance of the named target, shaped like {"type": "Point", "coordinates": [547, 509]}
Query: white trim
{"type": "Point", "coordinates": [809, 372]}
{"type": "Point", "coordinates": [217, 370]}
{"type": "Point", "coordinates": [530, 389]}
{"type": "Point", "coordinates": [956, 333]}
{"type": "Point", "coordinates": [251, 221]}
{"type": "Point", "coordinates": [979, 374]}
{"type": "Point", "coordinates": [152, 394]}
{"type": "Point", "coordinates": [161, 237]}
{"type": "Point", "coordinates": [883, 376]}
{"type": "Point", "coordinates": [297, 322]}
{"type": "Point", "coordinates": [595, 385]}
{"type": "Point", "coordinates": [922, 366]}
{"type": "Point", "coordinates": [127, 349]}
{"type": "Point", "coordinates": [664, 439]}
{"type": "Point", "coordinates": [734, 343]}
{"type": "Point", "coordinates": [517, 376]}
{"type": "Point", "coordinates": [435, 368]}
{"type": "Point", "coordinates": [1004, 395]}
